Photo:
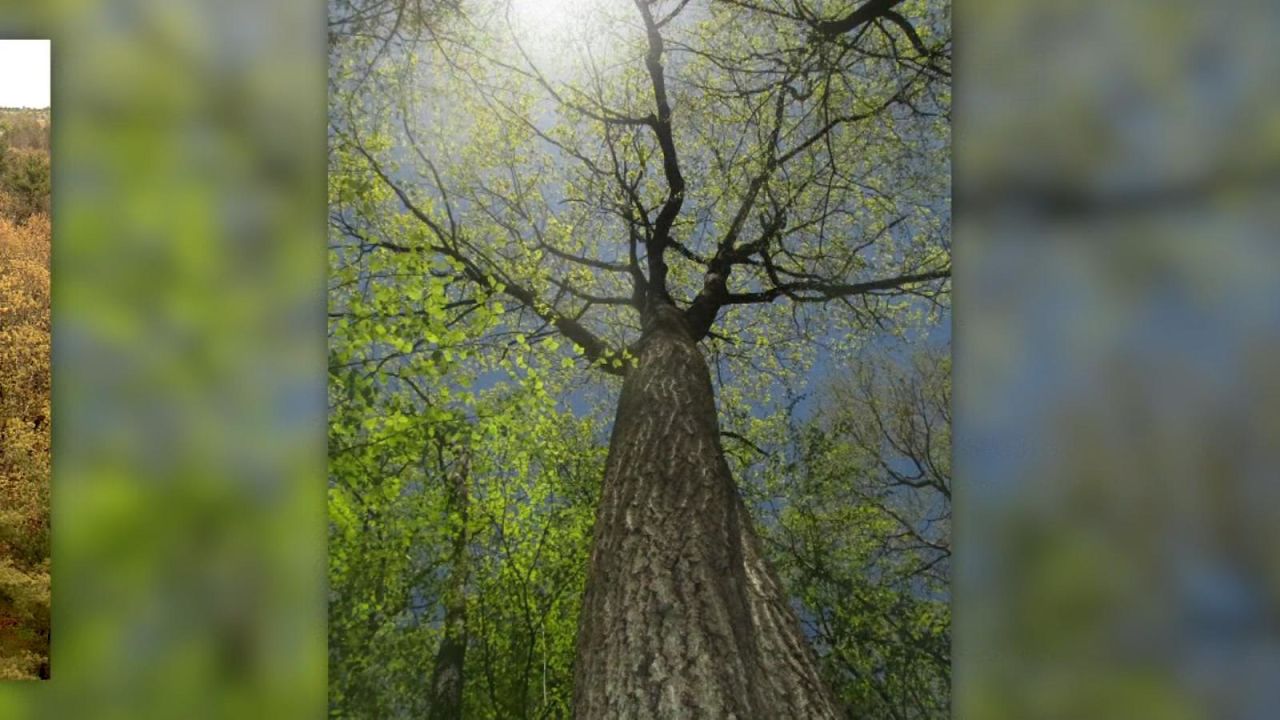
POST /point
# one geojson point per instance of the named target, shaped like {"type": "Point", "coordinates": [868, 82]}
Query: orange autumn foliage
{"type": "Point", "coordinates": [24, 446]}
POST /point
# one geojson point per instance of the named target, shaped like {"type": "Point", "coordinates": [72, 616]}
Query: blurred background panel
{"type": "Point", "coordinates": [1117, 328]}
{"type": "Point", "coordinates": [188, 220]}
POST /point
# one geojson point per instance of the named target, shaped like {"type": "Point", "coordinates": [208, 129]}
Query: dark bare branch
{"type": "Point", "coordinates": [819, 291]}
{"type": "Point", "coordinates": [864, 14]}
{"type": "Point", "coordinates": [670, 162]}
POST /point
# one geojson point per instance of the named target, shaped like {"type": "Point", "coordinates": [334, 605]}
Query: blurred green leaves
{"type": "Point", "coordinates": [1116, 390]}
{"type": "Point", "coordinates": [188, 360]}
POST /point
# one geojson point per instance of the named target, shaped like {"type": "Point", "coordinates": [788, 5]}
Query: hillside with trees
{"type": "Point", "coordinates": [25, 327]}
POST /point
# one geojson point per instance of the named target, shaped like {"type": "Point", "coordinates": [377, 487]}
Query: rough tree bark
{"type": "Point", "coordinates": [683, 617]}
{"type": "Point", "coordinates": [445, 701]}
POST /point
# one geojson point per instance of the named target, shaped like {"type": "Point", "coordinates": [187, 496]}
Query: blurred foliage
{"type": "Point", "coordinates": [24, 447]}
{"type": "Point", "coordinates": [1116, 385]}
{"type": "Point", "coordinates": [188, 492]}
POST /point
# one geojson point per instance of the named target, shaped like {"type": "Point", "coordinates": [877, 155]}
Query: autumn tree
{"type": "Point", "coordinates": [24, 447]}
{"type": "Point", "coordinates": [673, 192]}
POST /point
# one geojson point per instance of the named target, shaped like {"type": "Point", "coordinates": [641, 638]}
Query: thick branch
{"type": "Point", "coordinates": [818, 291]}
{"type": "Point", "coordinates": [702, 313]}
{"type": "Point", "coordinates": [670, 163]}
{"type": "Point", "coordinates": [866, 13]}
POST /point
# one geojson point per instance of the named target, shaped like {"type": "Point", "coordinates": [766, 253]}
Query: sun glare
{"type": "Point", "coordinates": [554, 31]}
{"type": "Point", "coordinates": [549, 17]}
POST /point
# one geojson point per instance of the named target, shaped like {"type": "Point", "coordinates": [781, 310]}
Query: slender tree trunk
{"type": "Point", "coordinates": [446, 675]}
{"type": "Point", "coordinates": [683, 616]}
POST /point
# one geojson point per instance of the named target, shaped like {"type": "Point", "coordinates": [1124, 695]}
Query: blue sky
{"type": "Point", "coordinates": [24, 73]}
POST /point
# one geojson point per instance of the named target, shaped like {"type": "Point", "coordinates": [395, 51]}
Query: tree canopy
{"type": "Point", "coordinates": [24, 397]}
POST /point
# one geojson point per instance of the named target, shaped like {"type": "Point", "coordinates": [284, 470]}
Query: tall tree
{"type": "Point", "coordinates": [713, 181]}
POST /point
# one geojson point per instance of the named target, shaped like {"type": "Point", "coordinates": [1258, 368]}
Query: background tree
{"type": "Point", "coordinates": [27, 184]}
{"type": "Point", "coordinates": [25, 129]}
{"type": "Point", "coordinates": [719, 188]}
{"type": "Point", "coordinates": [855, 507]}
{"type": "Point", "coordinates": [24, 163]}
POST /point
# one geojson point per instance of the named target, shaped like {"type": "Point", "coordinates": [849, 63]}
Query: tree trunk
{"type": "Point", "coordinates": [445, 702]}
{"type": "Point", "coordinates": [683, 617]}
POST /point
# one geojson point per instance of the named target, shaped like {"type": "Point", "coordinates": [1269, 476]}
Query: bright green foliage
{"type": "Point", "coordinates": [534, 530]}
{"type": "Point", "coordinates": [428, 378]}
{"type": "Point", "coordinates": [531, 486]}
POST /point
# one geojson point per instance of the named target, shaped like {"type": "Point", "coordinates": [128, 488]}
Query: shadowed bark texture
{"type": "Point", "coordinates": [683, 617]}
